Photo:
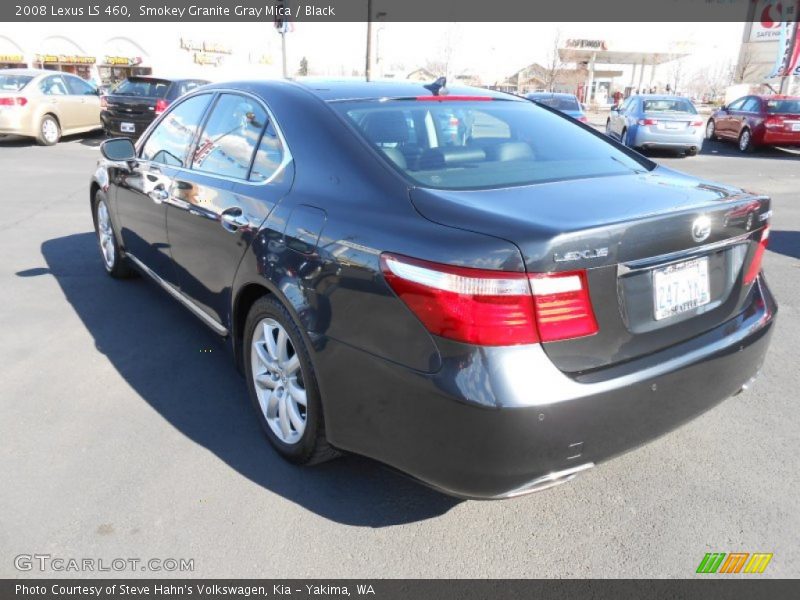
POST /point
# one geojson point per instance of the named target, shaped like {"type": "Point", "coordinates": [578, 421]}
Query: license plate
{"type": "Point", "coordinates": [672, 125]}
{"type": "Point", "coordinates": [795, 126]}
{"type": "Point", "coordinates": [680, 287]}
{"type": "Point", "coordinates": [127, 127]}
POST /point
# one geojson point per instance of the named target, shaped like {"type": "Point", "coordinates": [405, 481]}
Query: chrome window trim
{"type": "Point", "coordinates": [181, 297]}
{"type": "Point", "coordinates": [215, 93]}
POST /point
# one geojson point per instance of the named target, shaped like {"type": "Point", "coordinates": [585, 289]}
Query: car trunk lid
{"type": "Point", "coordinates": [634, 234]}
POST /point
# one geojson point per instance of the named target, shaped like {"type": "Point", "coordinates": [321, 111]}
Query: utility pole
{"type": "Point", "coordinates": [282, 25]}
{"type": "Point", "coordinates": [368, 66]}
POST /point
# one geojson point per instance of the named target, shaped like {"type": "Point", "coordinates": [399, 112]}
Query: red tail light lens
{"type": "Point", "coordinates": [13, 101]}
{"type": "Point", "coordinates": [563, 306]}
{"type": "Point", "coordinates": [103, 102]}
{"type": "Point", "coordinates": [161, 106]}
{"type": "Point", "coordinates": [774, 122]}
{"type": "Point", "coordinates": [755, 264]}
{"type": "Point", "coordinates": [583, 119]}
{"type": "Point", "coordinates": [486, 308]}
{"type": "Point", "coordinates": [698, 123]}
{"type": "Point", "coordinates": [647, 122]}
{"type": "Point", "coordinates": [492, 308]}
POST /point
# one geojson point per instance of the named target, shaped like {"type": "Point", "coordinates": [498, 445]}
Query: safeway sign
{"type": "Point", "coordinates": [769, 17]}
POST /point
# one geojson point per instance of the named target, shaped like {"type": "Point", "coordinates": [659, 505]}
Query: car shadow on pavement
{"type": "Point", "coordinates": [785, 242]}
{"type": "Point", "coordinates": [186, 374]}
{"type": "Point", "coordinates": [730, 149]}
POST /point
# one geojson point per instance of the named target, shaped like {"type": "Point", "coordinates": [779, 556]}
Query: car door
{"type": "Point", "coordinates": [141, 193]}
{"type": "Point", "coordinates": [240, 170]}
{"type": "Point", "coordinates": [726, 121]}
{"type": "Point", "coordinates": [58, 101]}
{"type": "Point", "coordinates": [616, 118]}
{"type": "Point", "coordinates": [746, 116]}
{"type": "Point", "coordinates": [86, 101]}
{"type": "Point", "coordinates": [628, 115]}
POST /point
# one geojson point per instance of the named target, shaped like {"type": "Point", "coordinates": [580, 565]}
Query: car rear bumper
{"type": "Point", "coordinates": [781, 138]}
{"type": "Point", "coordinates": [112, 124]}
{"type": "Point", "coordinates": [15, 122]}
{"type": "Point", "coordinates": [648, 139]}
{"type": "Point", "coordinates": [498, 422]}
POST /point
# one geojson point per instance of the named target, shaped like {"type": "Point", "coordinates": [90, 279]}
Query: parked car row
{"type": "Point", "coordinates": [649, 121]}
{"type": "Point", "coordinates": [46, 105]}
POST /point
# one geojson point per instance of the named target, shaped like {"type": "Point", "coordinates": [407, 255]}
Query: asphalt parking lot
{"type": "Point", "coordinates": [127, 433]}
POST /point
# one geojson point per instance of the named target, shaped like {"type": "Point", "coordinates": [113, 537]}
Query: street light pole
{"type": "Point", "coordinates": [368, 65]}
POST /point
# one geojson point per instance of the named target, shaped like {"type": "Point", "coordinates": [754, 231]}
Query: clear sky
{"type": "Point", "coordinates": [495, 50]}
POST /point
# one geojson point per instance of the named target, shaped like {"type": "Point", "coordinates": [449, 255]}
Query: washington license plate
{"type": "Point", "coordinates": [680, 287]}
{"type": "Point", "coordinates": [127, 128]}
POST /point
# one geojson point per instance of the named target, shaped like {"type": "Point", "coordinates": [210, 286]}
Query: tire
{"type": "Point", "coordinates": [297, 432]}
{"type": "Point", "coordinates": [49, 131]}
{"type": "Point", "coordinates": [746, 142]}
{"type": "Point", "coordinates": [113, 259]}
{"type": "Point", "coordinates": [608, 128]}
{"type": "Point", "coordinates": [711, 130]}
{"type": "Point", "coordinates": [691, 152]}
{"type": "Point", "coordinates": [623, 137]}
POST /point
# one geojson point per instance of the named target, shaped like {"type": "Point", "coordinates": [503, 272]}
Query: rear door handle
{"type": "Point", "coordinates": [234, 219]}
{"type": "Point", "coordinates": [158, 195]}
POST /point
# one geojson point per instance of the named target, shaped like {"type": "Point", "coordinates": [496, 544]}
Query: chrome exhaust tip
{"type": "Point", "coordinates": [547, 481]}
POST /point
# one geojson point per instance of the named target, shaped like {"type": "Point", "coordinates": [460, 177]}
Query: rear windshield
{"type": "Point", "coordinates": [479, 144]}
{"type": "Point", "coordinates": [14, 83]}
{"type": "Point", "coordinates": [144, 88]}
{"type": "Point", "coordinates": [558, 102]}
{"type": "Point", "coordinates": [669, 105]}
{"type": "Point", "coordinates": [789, 106]}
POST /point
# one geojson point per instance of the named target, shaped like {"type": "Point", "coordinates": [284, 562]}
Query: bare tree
{"type": "Point", "coordinates": [712, 80]}
{"type": "Point", "coordinates": [747, 65]}
{"type": "Point", "coordinates": [554, 65]}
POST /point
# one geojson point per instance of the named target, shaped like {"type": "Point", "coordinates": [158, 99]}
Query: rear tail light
{"type": "Point", "coordinates": [161, 106]}
{"type": "Point", "coordinates": [647, 122]}
{"type": "Point", "coordinates": [583, 119]}
{"type": "Point", "coordinates": [698, 123]}
{"type": "Point", "coordinates": [103, 102]}
{"type": "Point", "coordinates": [13, 101]}
{"type": "Point", "coordinates": [755, 264]}
{"type": "Point", "coordinates": [773, 123]}
{"type": "Point", "coordinates": [563, 306]}
{"type": "Point", "coordinates": [492, 308]}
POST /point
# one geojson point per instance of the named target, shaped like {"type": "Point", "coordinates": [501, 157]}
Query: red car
{"type": "Point", "coordinates": [755, 121]}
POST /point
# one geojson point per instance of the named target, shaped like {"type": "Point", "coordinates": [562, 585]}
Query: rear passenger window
{"type": "Point", "coordinates": [230, 136]}
{"type": "Point", "coordinates": [268, 157]}
{"type": "Point", "coordinates": [751, 105]}
{"type": "Point", "coordinates": [53, 86]}
{"type": "Point", "coordinates": [169, 143]}
{"type": "Point", "coordinates": [78, 87]}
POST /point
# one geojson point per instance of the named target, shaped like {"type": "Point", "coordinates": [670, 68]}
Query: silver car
{"type": "Point", "coordinates": [46, 105]}
{"type": "Point", "coordinates": [654, 121]}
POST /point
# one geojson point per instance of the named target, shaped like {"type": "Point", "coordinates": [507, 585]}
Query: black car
{"type": "Point", "coordinates": [493, 312]}
{"type": "Point", "coordinates": [132, 105]}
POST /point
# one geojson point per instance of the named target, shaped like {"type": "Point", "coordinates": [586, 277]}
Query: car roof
{"type": "Point", "coordinates": [337, 90]}
{"type": "Point", "coordinates": [777, 97]}
{"type": "Point", "coordinates": [662, 97]}
{"type": "Point", "coordinates": [551, 94]}
{"type": "Point", "coordinates": [29, 72]}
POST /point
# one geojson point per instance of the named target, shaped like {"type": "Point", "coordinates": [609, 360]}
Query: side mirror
{"type": "Point", "coordinates": [118, 150]}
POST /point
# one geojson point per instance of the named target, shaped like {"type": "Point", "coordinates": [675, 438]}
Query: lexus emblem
{"type": "Point", "coordinates": [701, 229]}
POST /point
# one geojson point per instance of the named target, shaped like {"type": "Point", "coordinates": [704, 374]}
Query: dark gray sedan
{"type": "Point", "coordinates": [491, 312]}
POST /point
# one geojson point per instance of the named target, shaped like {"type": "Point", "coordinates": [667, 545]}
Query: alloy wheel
{"type": "Point", "coordinates": [105, 234]}
{"type": "Point", "coordinates": [278, 380]}
{"type": "Point", "coordinates": [744, 140]}
{"type": "Point", "coordinates": [50, 131]}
